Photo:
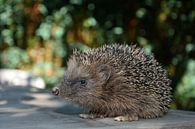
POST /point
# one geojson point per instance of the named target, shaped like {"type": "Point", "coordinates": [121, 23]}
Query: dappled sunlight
{"type": "Point", "coordinates": [38, 37]}
{"type": "Point", "coordinates": [15, 77]}
{"type": "Point", "coordinates": [42, 100]}
{"type": "Point", "coordinates": [3, 102]}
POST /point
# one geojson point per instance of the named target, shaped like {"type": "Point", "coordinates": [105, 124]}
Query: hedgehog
{"type": "Point", "coordinates": [117, 81]}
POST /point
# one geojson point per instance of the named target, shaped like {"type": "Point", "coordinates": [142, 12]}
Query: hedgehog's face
{"type": "Point", "coordinates": [82, 82]}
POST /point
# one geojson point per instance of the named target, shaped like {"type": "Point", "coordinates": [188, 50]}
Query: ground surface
{"type": "Point", "coordinates": [30, 108]}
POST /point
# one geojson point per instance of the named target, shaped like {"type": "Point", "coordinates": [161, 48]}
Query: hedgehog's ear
{"type": "Point", "coordinates": [104, 72]}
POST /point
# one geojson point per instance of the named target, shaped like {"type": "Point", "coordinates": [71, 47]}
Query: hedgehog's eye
{"type": "Point", "coordinates": [83, 82]}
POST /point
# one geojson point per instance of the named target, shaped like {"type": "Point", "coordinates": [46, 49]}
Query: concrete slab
{"type": "Point", "coordinates": [31, 108]}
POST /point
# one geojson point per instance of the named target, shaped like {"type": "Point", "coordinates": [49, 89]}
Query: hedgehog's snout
{"type": "Point", "coordinates": [55, 91]}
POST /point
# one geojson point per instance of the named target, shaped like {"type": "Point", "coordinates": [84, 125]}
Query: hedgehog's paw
{"type": "Point", "coordinates": [126, 118]}
{"type": "Point", "coordinates": [90, 116]}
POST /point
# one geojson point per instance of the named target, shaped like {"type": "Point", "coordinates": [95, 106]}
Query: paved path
{"type": "Point", "coordinates": [30, 108]}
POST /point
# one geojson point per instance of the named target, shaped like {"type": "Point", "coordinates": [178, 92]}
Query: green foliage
{"type": "Point", "coordinates": [46, 72]}
{"type": "Point", "coordinates": [14, 58]}
{"type": "Point", "coordinates": [185, 92]}
{"type": "Point", "coordinates": [10, 15]}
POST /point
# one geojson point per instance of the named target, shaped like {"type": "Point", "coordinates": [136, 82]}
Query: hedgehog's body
{"type": "Point", "coordinates": [117, 81]}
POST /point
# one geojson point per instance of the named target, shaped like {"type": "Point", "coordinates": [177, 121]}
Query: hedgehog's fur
{"type": "Point", "coordinates": [121, 81]}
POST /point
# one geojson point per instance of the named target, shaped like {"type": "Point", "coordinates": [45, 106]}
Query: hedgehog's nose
{"type": "Point", "coordinates": [55, 91]}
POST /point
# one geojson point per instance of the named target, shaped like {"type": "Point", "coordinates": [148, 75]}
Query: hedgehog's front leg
{"type": "Point", "coordinates": [126, 118]}
{"type": "Point", "coordinates": [92, 115]}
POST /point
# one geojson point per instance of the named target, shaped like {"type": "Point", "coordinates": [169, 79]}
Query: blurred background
{"type": "Point", "coordinates": [39, 35]}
